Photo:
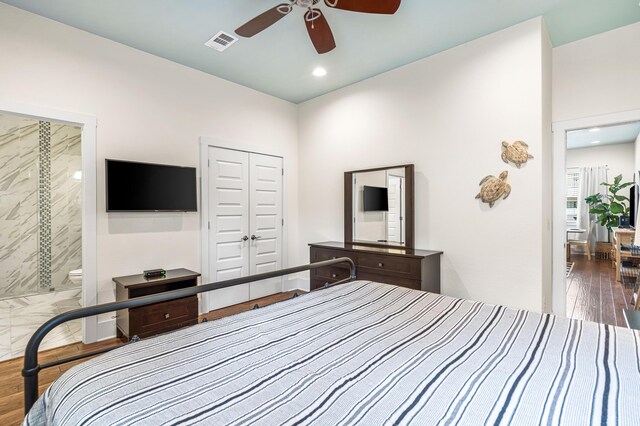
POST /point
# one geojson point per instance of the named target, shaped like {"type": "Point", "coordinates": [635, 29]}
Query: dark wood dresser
{"type": "Point", "coordinates": [149, 320]}
{"type": "Point", "coordinates": [411, 268]}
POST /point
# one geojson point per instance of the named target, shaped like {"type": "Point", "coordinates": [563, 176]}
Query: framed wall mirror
{"type": "Point", "coordinates": [379, 206]}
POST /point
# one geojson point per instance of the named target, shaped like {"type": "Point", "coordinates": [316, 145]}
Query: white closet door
{"type": "Point", "coordinates": [228, 224]}
{"type": "Point", "coordinates": [394, 216]}
{"type": "Point", "coordinates": [265, 222]}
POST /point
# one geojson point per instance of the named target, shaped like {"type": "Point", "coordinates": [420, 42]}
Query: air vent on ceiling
{"type": "Point", "coordinates": [221, 41]}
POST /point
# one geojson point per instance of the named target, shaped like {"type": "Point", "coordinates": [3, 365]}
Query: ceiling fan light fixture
{"type": "Point", "coordinates": [319, 72]}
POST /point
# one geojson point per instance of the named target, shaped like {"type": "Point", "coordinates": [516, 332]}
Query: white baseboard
{"type": "Point", "coordinates": [106, 329]}
{"type": "Point", "coordinates": [296, 284]}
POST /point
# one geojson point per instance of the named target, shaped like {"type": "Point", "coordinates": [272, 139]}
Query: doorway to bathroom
{"type": "Point", "coordinates": [41, 229]}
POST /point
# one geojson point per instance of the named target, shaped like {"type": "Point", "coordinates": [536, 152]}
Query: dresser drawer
{"type": "Point", "coordinates": [410, 268]}
{"type": "Point", "coordinates": [335, 273]}
{"type": "Point", "coordinates": [390, 279]}
{"type": "Point", "coordinates": [318, 283]}
{"type": "Point", "coordinates": [406, 266]}
{"type": "Point", "coordinates": [166, 315]}
{"type": "Point", "coordinates": [320, 255]}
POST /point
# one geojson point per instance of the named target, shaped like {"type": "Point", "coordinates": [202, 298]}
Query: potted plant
{"type": "Point", "coordinates": [613, 209]}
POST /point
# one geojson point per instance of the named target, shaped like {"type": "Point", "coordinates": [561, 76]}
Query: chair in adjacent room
{"type": "Point", "coordinates": [584, 243]}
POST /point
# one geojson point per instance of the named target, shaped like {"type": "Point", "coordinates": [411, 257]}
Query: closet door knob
{"type": "Point", "coordinates": [253, 238]}
{"type": "Point", "coordinates": [245, 238]}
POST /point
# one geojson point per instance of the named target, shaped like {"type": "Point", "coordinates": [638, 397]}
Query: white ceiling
{"type": "Point", "coordinates": [279, 61]}
{"type": "Point", "coordinates": [610, 135]}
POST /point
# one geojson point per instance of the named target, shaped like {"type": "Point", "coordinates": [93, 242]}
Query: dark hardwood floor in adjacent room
{"type": "Point", "coordinates": [11, 384]}
{"type": "Point", "coordinates": [593, 294]}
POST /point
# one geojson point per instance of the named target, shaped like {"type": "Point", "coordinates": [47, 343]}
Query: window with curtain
{"type": "Point", "coordinates": [573, 188]}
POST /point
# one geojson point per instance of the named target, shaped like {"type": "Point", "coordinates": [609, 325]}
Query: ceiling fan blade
{"type": "Point", "coordinates": [319, 31]}
{"type": "Point", "coordinates": [264, 20]}
{"type": "Point", "coordinates": [387, 7]}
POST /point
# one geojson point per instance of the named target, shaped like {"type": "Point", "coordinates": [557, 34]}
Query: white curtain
{"type": "Point", "coordinates": [590, 184]}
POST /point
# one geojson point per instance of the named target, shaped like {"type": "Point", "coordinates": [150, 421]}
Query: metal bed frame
{"type": "Point", "coordinates": [32, 368]}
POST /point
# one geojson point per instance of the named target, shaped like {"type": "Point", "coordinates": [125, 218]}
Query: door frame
{"type": "Point", "coordinates": [88, 125]}
{"type": "Point", "coordinates": [205, 144]}
{"type": "Point", "coordinates": [401, 193]}
{"type": "Point", "coordinates": [560, 129]}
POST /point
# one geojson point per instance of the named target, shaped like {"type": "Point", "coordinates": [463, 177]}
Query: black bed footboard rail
{"type": "Point", "coordinates": [32, 368]}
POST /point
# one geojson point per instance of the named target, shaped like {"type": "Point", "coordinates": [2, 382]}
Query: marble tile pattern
{"type": "Point", "coordinates": [66, 204]}
{"type": "Point", "coordinates": [18, 206]}
{"type": "Point", "coordinates": [40, 206]}
{"type": "Point", "coordinates": [20, 317]}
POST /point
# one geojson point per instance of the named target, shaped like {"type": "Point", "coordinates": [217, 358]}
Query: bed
{"type": "Point", "coordinates": [360, 353]}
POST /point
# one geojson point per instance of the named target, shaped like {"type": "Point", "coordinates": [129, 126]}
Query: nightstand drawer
{"type": "Point", "coordinates": [406, 266]}
{"type": "Point", "coordinates": [152, 318]}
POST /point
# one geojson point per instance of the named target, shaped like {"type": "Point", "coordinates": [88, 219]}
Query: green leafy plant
{"type": "Point", "coordinates": [609, 209]}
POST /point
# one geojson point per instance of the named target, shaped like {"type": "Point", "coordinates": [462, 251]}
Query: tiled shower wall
{"type": "Point", "coordinates": [40, 205]}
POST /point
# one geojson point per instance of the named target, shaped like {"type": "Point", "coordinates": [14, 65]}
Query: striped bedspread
{"type": "Point", "coordinates": [361, 353]}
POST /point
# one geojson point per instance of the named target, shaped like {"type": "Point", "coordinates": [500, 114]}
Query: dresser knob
{"type": "Point", "coordinates": [167, 316]}
{"type": "Point", "coordinates": [333, 275]}
{"type": "Point", "coordinates": [380, 265]}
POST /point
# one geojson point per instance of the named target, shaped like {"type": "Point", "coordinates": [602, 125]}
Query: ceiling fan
{"type": "Point", "coordinates": [317, 25]}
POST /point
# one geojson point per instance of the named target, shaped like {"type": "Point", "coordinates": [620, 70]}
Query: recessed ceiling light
{"type": "Point", "coordinates": [594, 129]}
{"type": "Point", "coordinates": [319, 72]}
{"type": "Point", "coordinates": [595, 142]}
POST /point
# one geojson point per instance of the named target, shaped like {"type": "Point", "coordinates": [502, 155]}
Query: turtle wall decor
{"type": "Point", "coordinates": [493, 188]}
{"type": "Point", "coordinates": [516, 153]}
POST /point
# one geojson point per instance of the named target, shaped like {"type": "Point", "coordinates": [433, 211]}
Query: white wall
{"type": "Point", "coordinates": [147, 109]}
{"type": "Point", "coordinates": [447, 114]}
{"type": "Point", "coordinates": [620, 158]}
{"type": "Point", "coordinates": [546, 201]}
{"type": "Point", "coordinates": [597, 75]}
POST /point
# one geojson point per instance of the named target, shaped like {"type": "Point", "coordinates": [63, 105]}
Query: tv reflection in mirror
{"type": "Point", "coordinates": [376, 199]}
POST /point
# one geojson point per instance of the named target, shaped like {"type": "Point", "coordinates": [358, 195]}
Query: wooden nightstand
{"type": "Point", "coordinates": [157, 318]}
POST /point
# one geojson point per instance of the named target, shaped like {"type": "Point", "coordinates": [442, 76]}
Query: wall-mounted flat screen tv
{"type": "Point", "coordinates": [376, 199]}
{"type": "Point", "coordinates": [143, 187]}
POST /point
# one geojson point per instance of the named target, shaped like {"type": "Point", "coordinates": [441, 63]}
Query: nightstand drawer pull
{"type": "Point", "coordinates": [167, 316]}
{"type": "Point", "coordinates": [334, 275]}
{"type": "Point", "coordinates": [380, 265]}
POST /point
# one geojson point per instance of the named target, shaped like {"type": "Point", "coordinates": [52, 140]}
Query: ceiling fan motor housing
{"type": "Point", "coordinates": [305, 3]}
